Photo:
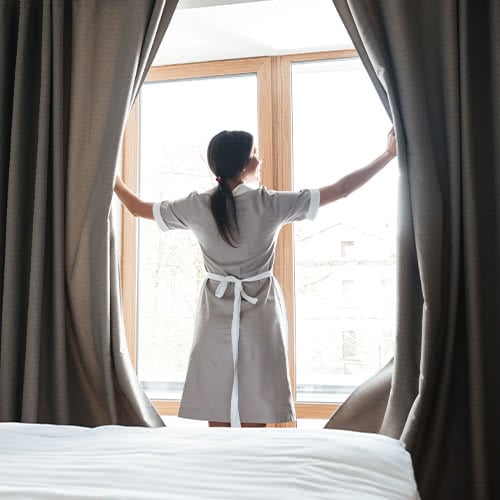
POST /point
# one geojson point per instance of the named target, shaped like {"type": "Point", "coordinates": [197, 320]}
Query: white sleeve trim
{"type": "Point", "coordinates": [314, 205]}
{"type": "Point", "coordinates": [158, 218]}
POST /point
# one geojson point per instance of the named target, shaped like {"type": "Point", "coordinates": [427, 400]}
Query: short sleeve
{"type": "Point", "coordinates": [174, 214]}
{"type": "Point", "coordinates": [290, 206]}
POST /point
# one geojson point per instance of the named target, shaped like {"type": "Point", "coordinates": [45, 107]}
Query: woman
{"type": "Point", "coordinates": [238, 373]}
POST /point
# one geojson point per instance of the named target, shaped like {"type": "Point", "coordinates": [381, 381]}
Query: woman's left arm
{"type": "Point", "coordinates": [356, 179]}
{"type": "Point", "coordinates": [136, 206]}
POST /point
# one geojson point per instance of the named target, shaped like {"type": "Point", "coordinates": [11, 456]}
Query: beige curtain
{"type": "Point", "coordinates": [436, 68]}
{"type": "Point", "coordinates": [70, 73]}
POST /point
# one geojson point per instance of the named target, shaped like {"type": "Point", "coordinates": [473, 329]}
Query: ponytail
{"type": "Point", "coordinates": [223, 209]}
{"type": "Point", "coordinates": [227, 154]}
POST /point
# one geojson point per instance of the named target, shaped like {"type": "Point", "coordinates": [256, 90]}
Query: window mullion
{"type": "Point", "coordinates": [282, 180]}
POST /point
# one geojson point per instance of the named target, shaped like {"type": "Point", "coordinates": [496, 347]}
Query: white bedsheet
{"type": "Point", "coordinates": [114, 462]}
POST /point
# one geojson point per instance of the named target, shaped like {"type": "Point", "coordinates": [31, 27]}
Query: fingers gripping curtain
{"type": "Point", "coordinates": [435, 66]}
{"type": "Point", "coordinates": [71, 70]}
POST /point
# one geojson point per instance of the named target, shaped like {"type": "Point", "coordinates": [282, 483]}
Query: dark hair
{"type": "Point", "coordinates": [227, 154]}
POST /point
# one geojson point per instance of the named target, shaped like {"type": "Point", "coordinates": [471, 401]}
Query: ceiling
{"type": "Point", "coordinates": [207, 30]}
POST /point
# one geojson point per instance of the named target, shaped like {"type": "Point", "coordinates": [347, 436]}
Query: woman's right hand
{"type": "Point", "coordinates": [134, 204]}
{"type": "Point", "coordinates": [391, 143]}
{"type": "Point", "coordinates": [117, 183]}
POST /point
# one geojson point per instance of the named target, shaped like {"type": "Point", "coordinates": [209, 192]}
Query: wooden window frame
{"type": "Point", "coordinates": [275, 143]}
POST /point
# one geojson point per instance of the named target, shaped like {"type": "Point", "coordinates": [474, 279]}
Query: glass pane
{"type": "Point", "coordinates": [345, 259]}
{"type": "Point", "coordinates": [178, 119]}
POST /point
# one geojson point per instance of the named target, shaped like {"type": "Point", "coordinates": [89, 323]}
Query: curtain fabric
{"type": "Point", "coordinates": [435, 66]}
{"type": "Point", "coordinates": [70, 73]}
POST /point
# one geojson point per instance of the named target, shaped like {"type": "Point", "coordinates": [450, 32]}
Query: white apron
{"type": "Point", "coordinates": [239, 294]}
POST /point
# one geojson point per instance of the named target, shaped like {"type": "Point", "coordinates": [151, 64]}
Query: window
{"type": "Point", "coordinates": [311, 115]}
{"type": "Point", "coordinates": [346, 248]}
{"type": "Point", "coordinates": [348, 290]}
{"type": "Point", "coordinates": [350, 346]}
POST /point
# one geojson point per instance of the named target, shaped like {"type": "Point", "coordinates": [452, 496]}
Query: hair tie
{"type": "Point", "coordinates": [218, 179]}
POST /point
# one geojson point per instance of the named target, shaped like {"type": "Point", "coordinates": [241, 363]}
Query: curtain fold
{"type": "Point", "coordinates": [435, 67]}
{"type": "Point", "coordinates": [71, 71]}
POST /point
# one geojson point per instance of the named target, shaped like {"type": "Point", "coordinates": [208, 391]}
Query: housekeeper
{"type": "Point", "coordinates": [238, 372]}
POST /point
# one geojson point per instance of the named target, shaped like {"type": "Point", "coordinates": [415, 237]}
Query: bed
{"type": "Point", "coordinates": [113, 462]}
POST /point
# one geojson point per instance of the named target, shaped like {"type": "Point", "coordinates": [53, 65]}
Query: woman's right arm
{"type": "Point", "coordinates": [136, 206]}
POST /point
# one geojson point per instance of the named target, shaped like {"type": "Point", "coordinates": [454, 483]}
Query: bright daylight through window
{"type": "Point", "coordinates": [345, 259]}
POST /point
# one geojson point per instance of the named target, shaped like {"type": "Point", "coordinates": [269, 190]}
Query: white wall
{"type": "Point", "coordinates": [250, 29]}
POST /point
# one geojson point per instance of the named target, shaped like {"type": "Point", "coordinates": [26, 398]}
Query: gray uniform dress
{"type": "Point", "coordinates": [238, 369]}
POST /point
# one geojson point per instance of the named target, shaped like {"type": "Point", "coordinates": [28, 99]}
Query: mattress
{"type": "Point", "coordinates": [114, 462]}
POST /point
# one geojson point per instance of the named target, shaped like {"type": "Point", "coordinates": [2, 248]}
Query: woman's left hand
{"type": "Point", "coordinates": [391, 143]}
